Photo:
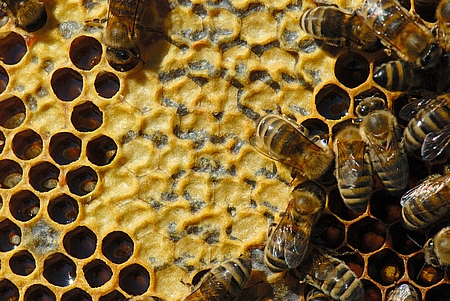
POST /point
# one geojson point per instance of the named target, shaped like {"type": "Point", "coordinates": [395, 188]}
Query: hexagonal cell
{"type": "Point", "coordinates": [12, 48]}
{"type": "Point", "coordinates": [134, 279]}
{"type": "Point", "coordinates": [44, 176]}
{"type": "Point", "coordinates": [418, 171]}
{"type": "Point", "coordinates": [80, 242]}
{"type": "Point", "coordinates": [87, 117]}
{"type": "Point", "coordinates": [422, 273]}
{"type": "Point", "coordinates": [63, 209]}
{"type": "Point", "coordinates": [24, 205]}
{"type": "Point", "coordinates": [27, 145]}
{"type": "Point", "coordinates": [101, 150]}
{"type": "Point", "coordinates": [117, 246]}
{"type": "Point", "coordinates": [59, 270]}
{"type": "Point", "coordinates": [113, 296]}
{"type": "Point", "coordinates": [10, 236]}
{"type": "Point", "coordinates": [405, 241]}
{"type": "Point", "coordinates": [10, 174]}
{"type": "Point", "coordinates": [38, 292]}
{"type": "Point", "coordinates": [332, 102]}
{"type": "Point", "coordinates": [353, 260]}
{"type": "Point", "coordinates": [107, 84]}
{"type": "Point", "coordinates": [82, 180]}
{"type": "Point", "coordinates": [22, 263]}
{"type": "Point", "coordinates": [426, 9]}
{"type": "Point", "coordinates": [438, 293]}
{"type": "Point", "coordinates": [328, 232]}
{"type": "Point", "coordinates": [385, 207]}
{"type": "Point", "coordinates": [2, 141]}
{"type": "Point", "coordinates": [351, 69]}
{"type": "Point", "coordinates": [367, 235]}
{"type": "Point", "coordinates": [8, 290]}
{"type": "Point", "coordinates": [4, 79]}
{"type": "Point", "coordinates": [65, 148]}
{"type": "Point", "coordinates": [371, 291]}
{"type": "Point", "coordinates": [12, 112]}
{"type": "Point", "coordinates": [67, 84]}
{"type": "Point", "coordinates": [76, 294]}
{"type": "Point", "coordinates": [337, 206]}
{"type": "Point", "coordinates": [85, 52]}
{"type": "Point", "coordinates": [97, 273]}
{"type": "Point", "coordinates": [112, 55]}
{"type": "Point", "coordinates": [385, 267]}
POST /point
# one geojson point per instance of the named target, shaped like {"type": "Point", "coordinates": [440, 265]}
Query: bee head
{"type": "Point", "coordinates": [123, 59]}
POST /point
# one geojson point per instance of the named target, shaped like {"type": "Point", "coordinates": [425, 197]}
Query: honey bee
{"type": "Point", "coordinates": [30, 15]}
{"type": "Point", "coordinates": [428, 130]}
{"type": "Point", "coordinates": [404, 292]}
{"type": "Point", "coordinates": [287, 142]}
{"type": "Point", "coordinates": [437, 250]}
{"type": "Point", "coordinates": [332, 276]}
{"type": "Point", "coordinates": [353, 169]}
{"type": "Point", "coordinates": [443, 24]}
{"type": "Point", "coordinates": [122, 52]}
{"type": "Point", "coordinates": [426, 203]}
{"type": "Point", "coordinates": [337, 28]}
{"type": "Point", "coordinates": [288, 243]}
{"type": "Point", "coordinates": [224, 282]}
{"type": "Point", "coordinates": [410, 40]}
{"type": "Point", "coordinates": [317, 295]}
{"type": "Point", "coordinates": [379, 130]}
{"type": "Point", "coordinates": [402, 76]}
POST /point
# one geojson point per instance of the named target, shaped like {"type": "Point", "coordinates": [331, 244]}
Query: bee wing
{"type": "Point", "coordinates": [296, 247]}
{"type": "Point", "coordinates": [126, 10]}
{"type": "Point", "coordinates": [424, 191]}
{"type": "Point", "coordinates": [212, 287]}
{"type": "Point", "coordinates": [411, 108]}
{"type": "Point", "coordinates": [434, 143]}
{"type": "Point", "coordinates": [325, 267]}
{"type": "Point", "coordinates": [350, 161]}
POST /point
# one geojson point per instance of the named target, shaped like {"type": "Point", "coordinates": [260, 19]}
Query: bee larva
{"type": "Point", "coordinates": [428, 130]}
{"type": "Point", "coordinates": [281, 139]}
{"type": "Point", "coordinates": [337, 28]}
{"type": "Point", "coordinates": [410, 40]}
{"type": "Point", "coordinates": [288, 243]}
{"type": "Point", "coordinates": [353, 168]}
{"type": "Point", "coordinates": [224, 282]}
{"type": "Point", "coordinates": [404, 292]}
{"type": "Point", "coordinates": [379, 130]}
{"type": "Point", "coordinates": [30, 15]}
{"type": "Point", "coordinates": [437, 249]}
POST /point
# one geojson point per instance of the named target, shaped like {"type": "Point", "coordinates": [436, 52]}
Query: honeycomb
{"type": "Point", "coordinates": [119, 184]}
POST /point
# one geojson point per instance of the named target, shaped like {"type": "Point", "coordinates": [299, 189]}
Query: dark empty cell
{"type": "Point", "coordinates": [76, 295]}
{"type": "Point", "coordinates": [10, 174]}
{"type": "Point", "coordinates": [12, 112]}
{"type": "Point", "coordinates": [87, 117]}
{"type": "Point", "coordinates": [27, 145]}
{"type": "Point", "coordinates": [24, 205]}
{"type": "Point", "coordinates": [422, 273]}
{"type": "Point", "coordinates": [2, 141]}
{"type": "Point", "coordinates": [113, 296]}
{"type": "Point", "coordinates": [438, 293]}
{"type": "Point", "coordinates": [80, 242]}
{"type": "Point", "coordinates": [371, 291]}
{"type": "Point", "coordinates": [67, 84]}
{"type": "Point", "coordinates": [367, 235]}
{"type": "Point", "coordinates": [4, 79]}
{"type": "Point", "coordinates": [85, 52]}
{"type": "Point", "coordinates": [332, 102]}
{"type": "Point", "coordinates": [65, 148]}
{"type": "Point", "coordinates": [101, 151]}
{"type": "Point", "coordinates": [22, 263]}
{"type": "Point", "coordinates": [405, 241]}
{"type": "Point", "coordinates": [59, 270]}
{"type": "Point", "coordinates": [82, 180]}
{"type": "Point", "coordinates": [426, 9]}
{"type": "Point", "coordinates": [316, 128]}
{"type": "Point", "coordinates": [351, 69]}
{"type": "Point", "coordinates": [337, 206]}
{"type": "Point", "coordinates": [44, 176]}
{"type": "Point", "coordinates": [8, 290]}
{"type": "Point", "coordinates": [418, 171]}
{"type": "Point", "coordinates": [385, 267]}
{"type": "Point", "coordinates": [198, 276]}
{"type": "Point", "coordinates": [39, 292]}
{"type": "Point", "coordinates": [10, 236]}
{"type": "Point", "coordinates": [107, 84]}
{"type": "Point", "coordinates": [12, 48]}
{"type": "Point", "coordinates": [328, 232]}
{"type": "Point", "coordinates": [397, 105]}
{"type": "Point", "coordinates": [117, 246]}
{"type": "Point", "coordinates": [354, 261]}
{"type": "Point", "coordinates": [97, 273]}
{"type": "Point", "coordinates": [386, 207]}
{"type": "Point", "coordinates": [63, 209]}
{"type": "Point", "coordinates": [134, 279]}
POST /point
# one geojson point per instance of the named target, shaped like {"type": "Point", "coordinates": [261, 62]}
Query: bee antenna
{"type": "Point", "coordinates": [415, 242]}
